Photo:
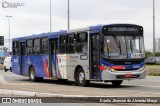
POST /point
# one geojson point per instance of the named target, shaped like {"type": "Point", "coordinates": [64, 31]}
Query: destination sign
{"type": "Point", "coordinates": [122, 29]}
{"type": "Point", "coordinates": [119, 29]}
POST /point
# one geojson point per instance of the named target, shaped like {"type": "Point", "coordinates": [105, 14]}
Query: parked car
{"type": "Point", "coordinates": [7, 64]}
{"type": "Point", "coordinates": [153, 60]}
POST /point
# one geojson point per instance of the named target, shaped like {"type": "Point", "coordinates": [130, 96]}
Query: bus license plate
{"type": "Point", "coordinates": [128, 75]}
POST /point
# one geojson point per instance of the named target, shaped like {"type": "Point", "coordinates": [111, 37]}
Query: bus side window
{"type": "Point", "coordinates": [36, 46]}
{"type": "Point", "coordinates": [82, 44]}
{"type": "Point", "coordinates": [70, 43]}
{"type": "Point", "coordinates": [29, 47]}
{"type": "Point", "coordinates": [15, 46]}
{"type": "Point", "coordinates": [44, 46]}
{"type": "Point", "coordinates": [62, 44]}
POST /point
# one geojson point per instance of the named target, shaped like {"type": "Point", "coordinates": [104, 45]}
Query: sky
{"type": "Point", "coordinates": [34, 16]}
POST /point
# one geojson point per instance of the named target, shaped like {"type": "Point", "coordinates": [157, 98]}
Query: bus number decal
{"type": "Point", "coordinates": [15, 60]}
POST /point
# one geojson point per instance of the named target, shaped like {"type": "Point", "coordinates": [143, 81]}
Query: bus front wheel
{"type": "Point", "coordinates": [117, 83]}
{"type": "Point", "coordinates": [81, 78]}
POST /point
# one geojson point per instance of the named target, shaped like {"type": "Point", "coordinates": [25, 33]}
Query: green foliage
{"type": "Point", "coordinates": [157, 54]}
{"type": "Point", "coordinates": [154, 74]}
{"type": "Point", "coordinates": [149, 54]}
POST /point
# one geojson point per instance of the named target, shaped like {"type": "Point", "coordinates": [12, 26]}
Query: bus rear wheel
{"type": "Point", "coordinates": [81, 78]}
{"type": "Point", "coordinates": [117, 83]}
{"type": "Point", "coordinates": [32, 76]}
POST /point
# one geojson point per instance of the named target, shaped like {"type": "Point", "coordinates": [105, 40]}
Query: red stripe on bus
{"type": "Point", "coordinates": [45, 67]}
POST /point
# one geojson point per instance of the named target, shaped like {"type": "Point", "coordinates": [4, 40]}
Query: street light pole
{"type": "Point", "coordinates": [68, 15]}
{"type": "Point", "coordinates": [9, 30]}
{"type": "Point", "coordinates": [154, 39]}
{"type": "Point", "coordinates": [50, 16]}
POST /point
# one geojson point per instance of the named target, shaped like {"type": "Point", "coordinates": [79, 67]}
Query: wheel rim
{"type": "Point", "coordinates": [81, 77]}
{"type": "Point", "coordinates": [32, 74]}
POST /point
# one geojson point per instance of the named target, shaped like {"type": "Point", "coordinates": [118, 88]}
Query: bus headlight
{"type": "Point", "coordinates": [142, 68]}
{"type": "Point", "coordinates": [111, 69]}
{"type": "Point", "coordinates": [104, 67]}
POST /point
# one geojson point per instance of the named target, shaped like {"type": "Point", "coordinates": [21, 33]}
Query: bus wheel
{"type": "Point", "coordinates": [32, 76]}
{"type": "Point", "coordinates": [81, 78]}
{"type": "Point", "coordinates": [117, 83]}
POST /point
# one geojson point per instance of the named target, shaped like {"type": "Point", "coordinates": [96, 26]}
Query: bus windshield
{"type": "Point", "coordinates": [123, 47]}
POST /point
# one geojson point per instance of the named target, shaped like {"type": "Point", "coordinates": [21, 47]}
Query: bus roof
{"type": "Point", "coordinates": [92, 29]}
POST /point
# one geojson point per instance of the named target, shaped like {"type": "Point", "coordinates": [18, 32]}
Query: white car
{"type": "Point", "coordinates": [7, 64]}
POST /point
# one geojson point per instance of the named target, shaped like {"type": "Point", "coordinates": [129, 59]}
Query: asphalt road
{"type": "Point", "coordinates": [146, 87]}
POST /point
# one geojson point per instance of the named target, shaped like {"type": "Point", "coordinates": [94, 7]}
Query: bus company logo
{"type": "Point", "coordinates": [6, 100]}
{"type": "Point", "coordinates": [6, 4]}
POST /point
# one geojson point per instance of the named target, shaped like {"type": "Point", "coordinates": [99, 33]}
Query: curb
{"type": "Point", "coordinates": [34, 94]}
{"type": "Point", "coordinates": [39, 94]}
{"type": "Point", "coordinates": [86, 99]}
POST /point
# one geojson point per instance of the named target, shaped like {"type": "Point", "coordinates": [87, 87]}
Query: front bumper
{"type": "Point", "coordinates": [121, 75]}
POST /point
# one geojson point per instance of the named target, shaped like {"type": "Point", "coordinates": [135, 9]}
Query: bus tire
{"type": "Point", "coordinates": [117, 83]}
{"type": "Point", "coordinates": [81, 78]}
{"type": "Point", "coordinates": [32, 74]}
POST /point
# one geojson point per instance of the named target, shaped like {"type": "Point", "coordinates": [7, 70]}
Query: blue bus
{"type": "Point", "coordinates": [108, 53]}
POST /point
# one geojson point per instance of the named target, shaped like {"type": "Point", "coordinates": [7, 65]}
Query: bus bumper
{"type": "Point", "coordinates": [123, 75]}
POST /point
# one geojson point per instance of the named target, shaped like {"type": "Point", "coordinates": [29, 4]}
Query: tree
{"type": "Point", "coordinates": [157, 54]}
{"type": "Point", "coordinates": [148, 54]}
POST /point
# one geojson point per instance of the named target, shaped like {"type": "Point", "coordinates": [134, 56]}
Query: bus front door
{"type": "Point", "coordinates": [22, 58]}
{"type": "Point", "coordinates": [95, 57]}
{"type": "Point", "coordinates": [53, 57]}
